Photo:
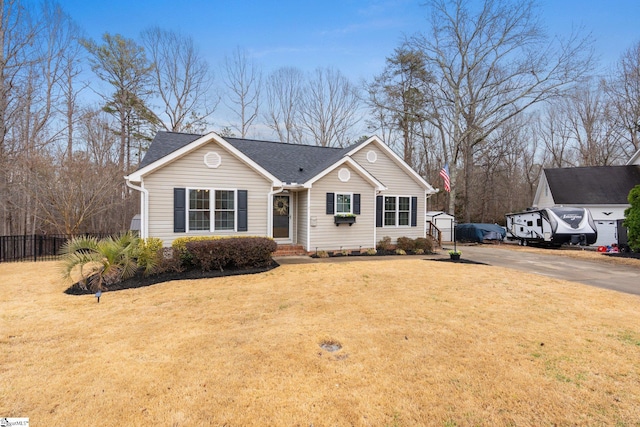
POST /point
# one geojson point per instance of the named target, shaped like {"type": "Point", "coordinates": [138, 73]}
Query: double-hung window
{"type": "Point", "coordinates": [225, 210]}
{"type": "Point", "coordinates": [343, 204]}
{"type": "Point", "coordinates": [397, 211]}
{"type": "Point", "coordinates": [201, 212]}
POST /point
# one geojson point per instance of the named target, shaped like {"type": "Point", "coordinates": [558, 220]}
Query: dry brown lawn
{"type": "Point", "coordinates": [423, 343]}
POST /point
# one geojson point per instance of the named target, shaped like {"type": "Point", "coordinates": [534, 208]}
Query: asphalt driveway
{"type": "Point", "coordinates": [593, 273]}
{"type": "Point", "coordinates": [601, 274]}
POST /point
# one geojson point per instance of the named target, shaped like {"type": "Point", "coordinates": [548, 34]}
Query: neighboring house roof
{"type": "Point", "coordinates": [596, 185]}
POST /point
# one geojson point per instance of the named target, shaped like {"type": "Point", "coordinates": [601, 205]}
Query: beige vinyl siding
{"type": "Point", "coordinates": [190, 171]}
{"type": "Point", "coordinates": [326, 235]}
{"type": "Point", "coordinates": [399, 183]}
{"type": "Point", "coordinates": [301, 218]}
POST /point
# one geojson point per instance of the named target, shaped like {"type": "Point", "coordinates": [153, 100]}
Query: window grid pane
{"type": "Point", "coordinates": [343, 203]}
{"type": "Point", "coordinates": [224, 200]}
{"type": "Point", "coordinates": [403, 218]}
{"type": "Point", "coordinates": [390, 218]}
{"type": "Point", "coordinates": [389, 203]}
{"type": "Point", "coordinates": [199, 220]}
{"type": "Point", "coordinates": [224, 220]}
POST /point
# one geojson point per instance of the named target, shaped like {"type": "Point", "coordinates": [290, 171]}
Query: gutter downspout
{"type": "Point", "coordinates": [144, 208]}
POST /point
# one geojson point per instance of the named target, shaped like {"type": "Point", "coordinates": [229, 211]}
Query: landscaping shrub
{"type": "Point", "coordinates": [632, 218]}
{"type": "Point", "coordinates": [400, 252]}
{"type": "Point", "coordinates": [423, 243]}
{"type": "Point", "coordinates": [407, 244]}
{"type": "Point", "coordinates": [370, 251]}
{"type": "Point", "coordinates": [180, 251]}
{"type": "Point", "coordinates": [384, 244]}
{"type": "Point", "coordinates": [96, 263]}
{"type": "Point", "coordinates": [242, 252]}
{"type": "Point", "coordinates": [149, 254]}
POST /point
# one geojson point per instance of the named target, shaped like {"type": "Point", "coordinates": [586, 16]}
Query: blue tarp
{"type": "Point", "coordinates": [479, 232]}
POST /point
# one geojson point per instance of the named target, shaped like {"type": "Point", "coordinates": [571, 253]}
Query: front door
{"type": "Point", "coordinates": [281, 216]}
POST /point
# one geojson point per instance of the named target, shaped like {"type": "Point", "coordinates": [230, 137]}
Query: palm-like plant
{"type": "Point", "coordinates": [95, 263]}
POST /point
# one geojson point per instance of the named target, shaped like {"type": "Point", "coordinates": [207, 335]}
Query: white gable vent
{"type": "Point", "coordinates": [344, 175]}
{"type": "Point", "coordinates": [372, 156]}
{"type": "Point", "coordinates": [212, 159]}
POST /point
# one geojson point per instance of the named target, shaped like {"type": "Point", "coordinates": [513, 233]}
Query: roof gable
{"type": "Point", "coordinates": [165, 149]}
{"type": "Point", "coordinates": [394, 157]}
{"type": "Point", "coordinates": [281, 162]}
{"type": "Point", "coordinates": [596, 185]}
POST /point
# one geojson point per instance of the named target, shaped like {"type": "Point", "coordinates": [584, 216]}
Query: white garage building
{"type": "Point", "coordinates": [601, 189]}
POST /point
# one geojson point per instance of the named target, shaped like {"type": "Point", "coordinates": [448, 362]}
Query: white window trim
{"type": "Point", "coordinates": [335, 203]}
{"type": "Point", "coordinates": [212, 210]}
{"type": "Point", "coordinates": [397, 211]}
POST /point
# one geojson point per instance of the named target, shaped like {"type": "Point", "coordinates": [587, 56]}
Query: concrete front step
{"type": "Point", "coordinates": [289, 250]}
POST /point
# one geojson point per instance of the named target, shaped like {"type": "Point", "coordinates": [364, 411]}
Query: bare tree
{"type": "Point", "coordinates": [589, 116]}
{"type": "Point", "coordinates": [489, 66]}
{"type": "Point", "coordinates": [623, 89]}
{"type": "Point", "coordinates": [182, 80]}
{"type": "Point", "coordinates": [329, 108]}
{"type": "Point", "coordinates": [243, 80]}
{"type": "Point", "coordinates": [284, 88]}
{"type": "Point", "coordinates": [552, 128]}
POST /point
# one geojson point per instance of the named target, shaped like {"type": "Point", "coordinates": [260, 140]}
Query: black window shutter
{"type": "Point", "coordinates": [414, 211]}
{"type": "Point", "coordinates": [356, 204]}
{"type": "Point", "coordinates": [330, 201]}
{"type": "Point", "coordinates": [242, 210]}
{"type": "Point", "coordinates": [179, 210]}
{"type": "Point", "coordinates": [379, 205]}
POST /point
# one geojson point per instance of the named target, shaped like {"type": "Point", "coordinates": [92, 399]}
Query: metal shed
{"type": "Point", "coordinates": [443, 221]}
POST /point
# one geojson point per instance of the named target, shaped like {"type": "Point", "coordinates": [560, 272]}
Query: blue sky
{"type": "Point", "coordinates": [353, 36]}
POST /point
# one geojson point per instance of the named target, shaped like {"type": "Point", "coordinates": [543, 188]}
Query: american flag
{"type": "Point", "coordinates": [444, 173]}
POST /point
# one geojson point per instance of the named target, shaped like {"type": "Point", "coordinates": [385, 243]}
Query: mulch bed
{"type": "Point", "coordinates": [140, 281]}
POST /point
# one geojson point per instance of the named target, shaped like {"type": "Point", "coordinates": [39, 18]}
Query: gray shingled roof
{"type": "Point", "coordinates": [164, 144]}
{"type": "Point", "coordinates": [288, 162]}
{"type": "Point", "coordinates": [596, 185]}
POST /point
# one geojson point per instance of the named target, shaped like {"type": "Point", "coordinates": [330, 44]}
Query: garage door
{"type": "Point", "coordinates": [606, 233]}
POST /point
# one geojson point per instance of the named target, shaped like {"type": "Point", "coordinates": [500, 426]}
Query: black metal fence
{"type": "Point", "coordinates": [36, 247]}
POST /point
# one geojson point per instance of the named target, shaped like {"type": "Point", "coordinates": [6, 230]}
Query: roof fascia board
{"type": "Point", "coordinates": [205, 139]}
{"type": "Point", "coordinates": [634, 158]}
{"type": "Point", "coordinates": [384, 147]}
{"type": "Point", "coordinates": [542, 181]}
{"type": "Point", "coordinates": [348, 160]}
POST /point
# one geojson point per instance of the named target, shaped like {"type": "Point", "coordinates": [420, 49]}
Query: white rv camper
{"type": "Point", "coordinates": [552, 227]}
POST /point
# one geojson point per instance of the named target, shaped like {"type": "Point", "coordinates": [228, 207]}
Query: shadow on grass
{"type": "Point", "coordinates": [457, 261]}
